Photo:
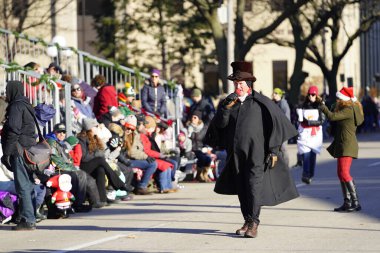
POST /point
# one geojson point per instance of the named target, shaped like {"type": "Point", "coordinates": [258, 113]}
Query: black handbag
{"type": "Point", "coordinates": [37, 157]}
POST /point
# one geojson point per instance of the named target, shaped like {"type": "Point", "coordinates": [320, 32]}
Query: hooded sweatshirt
{"type": "Point", "coordinates": [19, 126]}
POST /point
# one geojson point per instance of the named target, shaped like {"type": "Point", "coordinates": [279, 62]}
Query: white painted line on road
{"type": "Point", "coordinates": [300, 185]}
{"type": "Point", "coordinates": [374, 164]}
{"type": "Point", "coordinates": [107, 239]}
{"type": "Point", "coordinates": [89, 244]}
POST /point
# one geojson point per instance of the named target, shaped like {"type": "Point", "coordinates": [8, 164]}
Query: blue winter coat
{"type": "Point", "coordinates": [152, 102]}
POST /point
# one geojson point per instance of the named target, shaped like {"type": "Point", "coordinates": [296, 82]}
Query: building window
{"type": "Point", "coordinates": [91, 7]}
{"type": "Point", "coordinates": [280, 74]}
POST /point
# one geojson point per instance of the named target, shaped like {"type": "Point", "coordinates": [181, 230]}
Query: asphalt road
{"type": "Point", "coordinates": [196, 219]}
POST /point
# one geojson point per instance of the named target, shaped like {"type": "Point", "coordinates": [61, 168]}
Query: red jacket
{"type": "Point", "coordinates": [161, 164]}
{"type": "Point", "coordinates": [76, 154]}
{"type": "Point", "coordinates": [105, 98]}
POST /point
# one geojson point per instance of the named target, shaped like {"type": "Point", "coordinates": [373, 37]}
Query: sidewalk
{"type": "Point", "coordinates": [198, 220]}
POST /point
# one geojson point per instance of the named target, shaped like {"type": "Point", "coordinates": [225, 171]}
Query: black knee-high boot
{"type": "Point", "coordinates": [346, 199]}
{"type": "Point", "coordinates": [355, 206]}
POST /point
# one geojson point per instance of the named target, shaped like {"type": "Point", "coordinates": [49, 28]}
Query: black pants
{"type": "Point", "coordinates": [128, 174]}
{"type": "Point", "coordinates": [99, 168]}
{"type": "Point", "coordinates": [249, 186]}
{"type": "Point", "coordinates": [78, 182]}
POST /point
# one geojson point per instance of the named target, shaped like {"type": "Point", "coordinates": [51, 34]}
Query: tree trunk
{"type": "Point", "coordinates": [221, 48]}
{"type": "Point", "coordinates": [298, 76]}
{"type": "Point", "coordinates": [332, 84]}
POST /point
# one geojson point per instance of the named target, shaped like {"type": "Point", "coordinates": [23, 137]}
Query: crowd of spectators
{"type": "Point", "coordinates": [119, 147]}
{"type": "Point", "coordinates": [124, 143]}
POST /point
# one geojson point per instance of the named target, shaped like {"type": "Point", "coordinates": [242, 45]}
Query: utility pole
{"type": "Point", "coordinates": [230, 42]}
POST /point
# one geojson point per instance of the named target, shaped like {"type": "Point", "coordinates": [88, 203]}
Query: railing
{"type": "Point", "coordinates": [18, 47]}
{"type": "Point", "coordinates": [15, 48]}
{"type": "Point", "coordinates": [39, 91]}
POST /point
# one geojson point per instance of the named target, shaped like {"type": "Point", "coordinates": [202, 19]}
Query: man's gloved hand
{"type": "Point", "coordinates": [230, 100]}
{"type": "Point", "coordinates": [150, 159]}
{"type": "Point", "coordinates": [6, 160]}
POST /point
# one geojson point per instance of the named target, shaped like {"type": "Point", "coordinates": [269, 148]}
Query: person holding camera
{"type": "Point", "coordinates": [253, 130]}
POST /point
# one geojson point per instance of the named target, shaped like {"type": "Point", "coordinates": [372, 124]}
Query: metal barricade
{"type": "Point", "coordinates": [18, 47]}
{"type": "Point", "coordinates": [40, 92]}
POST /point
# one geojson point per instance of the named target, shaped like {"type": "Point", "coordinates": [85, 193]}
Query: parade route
{"type": "Point", "coordinates": [197, 220]}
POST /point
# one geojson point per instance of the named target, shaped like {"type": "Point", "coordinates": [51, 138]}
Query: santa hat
{"type": "Point", "coordinates": [346, 94]}
{"type": "Point", "coordinates": [56, 180]}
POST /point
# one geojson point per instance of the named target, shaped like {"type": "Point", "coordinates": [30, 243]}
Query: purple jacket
{"type": "Point", "coordinates": [7, 204]}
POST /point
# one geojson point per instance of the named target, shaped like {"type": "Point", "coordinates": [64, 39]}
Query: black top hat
{"type": "Point", "coordinates": [242, 71]}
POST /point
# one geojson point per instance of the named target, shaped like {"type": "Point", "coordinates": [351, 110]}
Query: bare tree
{"type": "Point", "coordinates": [245, 37]}
{"type": "Point", "coordinates": [370, 13]}
{"type": "Point", "coordinates": [19, 16]}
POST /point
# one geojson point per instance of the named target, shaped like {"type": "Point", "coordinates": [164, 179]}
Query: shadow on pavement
{"type": "Point", "coordinates": [326, 186]}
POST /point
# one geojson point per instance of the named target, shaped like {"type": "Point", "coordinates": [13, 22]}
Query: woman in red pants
{"type": "Point", "coordinates": [347, 115]}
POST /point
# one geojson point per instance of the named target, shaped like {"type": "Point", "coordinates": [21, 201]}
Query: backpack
{"type": "Point", "coordinates": [37, 157]}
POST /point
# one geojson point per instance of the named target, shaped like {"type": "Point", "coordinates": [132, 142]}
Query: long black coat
{"type": "Point", "coordinates": [237, 130]}
{"type": "Point", "coordinates": [19, 126]}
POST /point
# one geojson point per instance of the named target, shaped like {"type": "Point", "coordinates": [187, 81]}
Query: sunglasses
{"type": "Point", "coordinates": [61, 132]}
{"type": "Point", "coordinates": [76, 89]}
{"type": "Point", "coordinates": [154, 76]}
{"type": "Point", "coordinates": [312, 95]}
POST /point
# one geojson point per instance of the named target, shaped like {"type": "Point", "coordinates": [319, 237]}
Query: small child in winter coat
{"type": "Point", "coordinates": [185, 145]}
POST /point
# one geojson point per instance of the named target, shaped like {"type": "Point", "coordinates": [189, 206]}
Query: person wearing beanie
{"type": "Point", "coordinates": [202, 105]}
{"type": "Point", "coordinates": [89, 124]}
{"type": "Point", "coordinates": [19, 129]}
{"type": "Point", "coordinates": [114, 115]}
{"type": "Point", "coordinates": [64, 163]}
{"type": "Point", "coordinates": [126, 98]}
{"type": "Point", "coordinates": [347, 116]}
{"type": "Point", "coordinates": [252, 129]}
{"type": "Point", "coordinates": [74, 150]}
{"type": "Point", "coordinates": [163, 175]}
{"type": "Point", "coordinates": [196, 131]}
{"type": "Point", "coordinates": [153, 95]}
{"type": "Point", "coordinates": [133, 149]}
{"type": "Point", "coordinates": [310, 138]}
{"type": "Point", "coordinates": [94, 162]}
{"type": "Point", "coordinates": [130, 122]}
{"type": "Point", "coordinates": [151, 123]}
{"type": "Point", "coordinates": [279, 99]}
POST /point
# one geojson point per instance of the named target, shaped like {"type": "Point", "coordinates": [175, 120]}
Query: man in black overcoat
{"type": "Point", "coordinates": [253, 129]}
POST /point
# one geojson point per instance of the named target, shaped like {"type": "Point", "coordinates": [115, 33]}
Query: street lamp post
{"type": "Point", "coordinates": [230, 41]}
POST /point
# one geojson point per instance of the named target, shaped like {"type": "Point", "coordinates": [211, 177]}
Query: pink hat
{"type": "Point", "coordinates": [346, 93]}
{"type": "Point", "coordinates": [313, 90]}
